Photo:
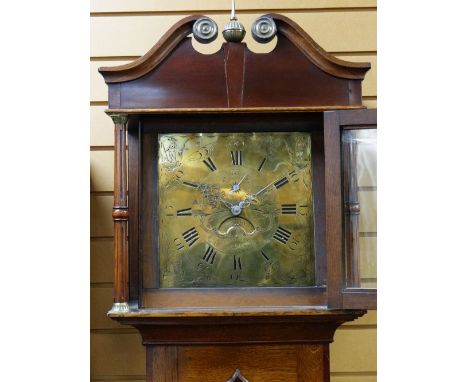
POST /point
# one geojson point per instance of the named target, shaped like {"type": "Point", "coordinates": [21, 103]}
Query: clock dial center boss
{"type": "Point", "coordinates": [235, 209]}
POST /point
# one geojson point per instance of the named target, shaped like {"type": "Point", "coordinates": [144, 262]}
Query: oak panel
{"type": "Point", "coordinates": [354, 350]}
{"type": "Point", "coordinates": [117, 354]}
{"type": "Point", "coordinates": [102, 170]}
{"type": "Point", "coordinates": [102, 261]}
{"type": "Point", "coordinates": [162, 364]}
{"type": "Point", "coordinates": [351, 31]}
{"type": "Point", "coordinates": [257, 362]}
{"type": "Point", "coordinates": [101, 218]}
{"type": "Point", "coordinates": [101, 127]}
{"type": "Point", "coordinates": [209, 5]}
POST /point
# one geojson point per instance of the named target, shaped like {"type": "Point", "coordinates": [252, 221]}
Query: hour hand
{"type": "Point", "coordinates": [210, 192]}
{"type": "Point", "coordinates": [236, 186]}
{"type": "Point", "coordinates": [226, 203]}
{"type": "Point", "coordinates": [191, 184]}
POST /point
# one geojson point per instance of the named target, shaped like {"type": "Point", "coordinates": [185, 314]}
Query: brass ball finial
{"type": "Point", "coordinates": [233, 31]}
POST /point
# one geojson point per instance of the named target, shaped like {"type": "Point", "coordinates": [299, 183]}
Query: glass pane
{"type": "Point", "coordinates": [235, 210]}
{"type": "Point", "coordinates": [359, 149]}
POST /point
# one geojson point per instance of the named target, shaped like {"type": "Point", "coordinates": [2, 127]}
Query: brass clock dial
{"type": "Point", "coordinates": [235, 209]}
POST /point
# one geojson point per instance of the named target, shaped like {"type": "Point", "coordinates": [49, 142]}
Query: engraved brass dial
{"type": "Point", "coordinates": [235, 209]}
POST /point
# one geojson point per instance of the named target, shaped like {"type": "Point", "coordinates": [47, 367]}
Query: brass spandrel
{"type": "Point", "coordinates": [235, 210]}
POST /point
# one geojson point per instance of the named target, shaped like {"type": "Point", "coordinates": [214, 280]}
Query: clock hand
{"type": "Point", "coordinates": [202, 187]}
{"type": "Point", "coordinates": [203, 213]}
{"type": "Point", "coordinates": [209, 191]}
{"type": "Point", "coordinates": [191, 184]}
{"type": "Point", "coordinates": [269, 185]}
{"type": "Point", "coordinates": [262, 190]}
{"type": "Point", "coordinates": [236, 186]}
{"type": "Point", "coordinates": [248, 200]}
{"type": "Point", "coordinates": [241, 180]}
{"type": "Point", "coordinates": [226, 203]}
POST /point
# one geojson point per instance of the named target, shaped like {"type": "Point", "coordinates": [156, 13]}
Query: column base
{"type": "Point", "coordinates": [119, 307]}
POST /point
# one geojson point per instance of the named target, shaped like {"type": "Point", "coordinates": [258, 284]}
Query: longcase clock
{"type": "Point", "coordinates": [237, 244]}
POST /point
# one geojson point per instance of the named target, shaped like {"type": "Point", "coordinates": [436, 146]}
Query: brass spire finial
{"type": "Point", "coordinates": [233, 10]}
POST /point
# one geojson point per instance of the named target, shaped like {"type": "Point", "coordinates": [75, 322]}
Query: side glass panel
{"type": "Point", "coordinates": [359, 150]}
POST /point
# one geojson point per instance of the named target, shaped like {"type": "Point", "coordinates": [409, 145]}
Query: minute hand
{"type": "Point", "coordinates": [264, 188]}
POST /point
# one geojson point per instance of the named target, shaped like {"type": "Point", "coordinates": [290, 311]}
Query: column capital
{"type": "Point", "coordinates": [119, 118]}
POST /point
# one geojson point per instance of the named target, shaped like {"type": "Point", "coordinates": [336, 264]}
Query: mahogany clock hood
{"type": "Point", "coordinates": [297, 73]}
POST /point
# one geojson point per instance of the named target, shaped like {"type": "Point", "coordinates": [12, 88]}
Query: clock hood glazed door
{"type": "Point", "coordinates": [350, 144]}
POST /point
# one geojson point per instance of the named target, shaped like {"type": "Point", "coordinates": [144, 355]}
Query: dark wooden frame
{"type": "Point", "coordinates": [142, 296]}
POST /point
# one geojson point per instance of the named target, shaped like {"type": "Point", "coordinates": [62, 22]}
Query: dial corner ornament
{"type": "Point", "coordinates": [235, 210]}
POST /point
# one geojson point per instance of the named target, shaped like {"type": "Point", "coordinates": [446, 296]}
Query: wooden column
{"type": "Point", "coordinates": [352, 209]}
{"type": "Point", "coordinates": [120, 215]}
{"type": "Point", "coordinates": [333, 207]}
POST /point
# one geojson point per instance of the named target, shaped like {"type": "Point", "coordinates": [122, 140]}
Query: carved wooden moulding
{"type": "Point", "coordinates": [296, 73]}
